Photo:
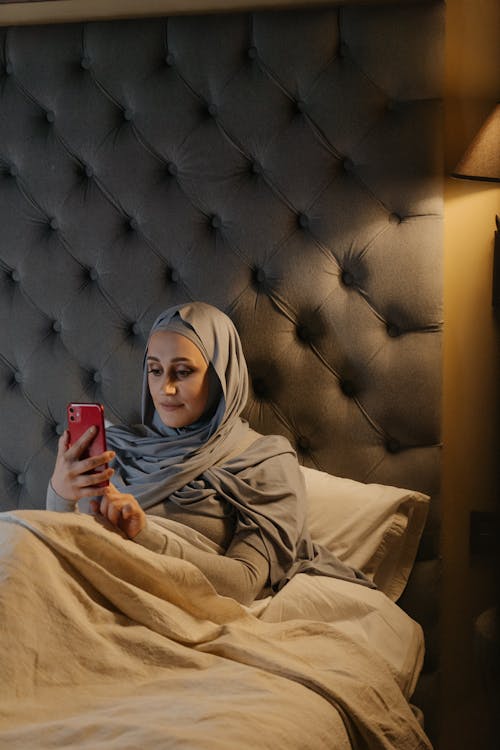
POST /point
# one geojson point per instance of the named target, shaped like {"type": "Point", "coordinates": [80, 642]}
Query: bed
{"type": "Point", "coordinates": [284, 166]}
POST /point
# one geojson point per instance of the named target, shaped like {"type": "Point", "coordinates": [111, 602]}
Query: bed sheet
{"type": "Point", "coordinates": [105, 645]}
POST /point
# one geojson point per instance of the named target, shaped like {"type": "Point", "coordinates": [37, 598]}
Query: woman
{"type": "Point", "coordinates": [194, 461]}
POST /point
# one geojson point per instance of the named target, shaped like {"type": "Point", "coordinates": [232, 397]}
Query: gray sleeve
{"type": "Point", "coordinates": [241, 574]}
{"type": "Point", "coordinates": [56, 502]}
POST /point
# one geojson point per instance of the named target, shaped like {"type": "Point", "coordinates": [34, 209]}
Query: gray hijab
{"type": "Point", "coordinates": [220, 457]}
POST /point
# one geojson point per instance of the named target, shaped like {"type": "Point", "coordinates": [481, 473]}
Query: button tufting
{"type": "Point", "coordinates": [347, 278]}
{"type": "Point", "coordinates": [13, 170]}
{"type": "Point", "coordinates": [21, 478]}
{"type": "Point", "coordinates": [303, 332]}
{"type": "Point", "coordinates": [348, 388]}
{"type": "Point", "coordinates": [56, 326]}
{"type": "Point", "coordinates": [252, 52]}
{"type": "Point", "coordinates": [59, 428]}
{"type": "Point", "coordinates": [212, 109]}
{"type": "Point", "coordinates": [133, 224]}
{"type": "Point", "coordinates": [173, 275]}
{"type": "Point", "coordinates": [348, 164]}
{"type": "Point", "coordinates": [135, 329]}
{"type": "Point", "coordinates": [395, 218]}
{"type": "Point", "coordinates": [97, 377]}
{"type": "Point", "coordinates": [18, 378]}
{"type": "Point", "coordinates": [259, 387]}
{"type": "Point", "coordinates": [54, 224]}
{"type": "Point", "coordinates": [393, 330]}
{"type": "Point", "coordinates": [303, 221]}
{"type": "Point", "coordinates": [393, 445]}
{"type": "Point", "coordinates": [15, 275]}
{"type": "Point", "coordinates": [172, 169]}
{"type": "Point", "coordinates": [216, 222]}
{"type": "Point", "coordinates": [85, 62]}
{"type": "Point", "coordinates": [127, 114]}
{"type": "Point", "coordinates": [93, 275]}
{"type": "Point", "coordinates": [89, 172]}
{"type": "Point", "coordinates": [50, 116]}
{"type": "Point", "coordinates": [9, 69]}
{"type": "Point", "coordinates": [259, 275]}
{"type": "Point", "coordinates": [300, 106]}
{"type": "Point", "coordinates": [303, 443]}
{"type": "Point", "coordinates": [169, 59]}
{"type": "Point", "coordinates": [256, 167]}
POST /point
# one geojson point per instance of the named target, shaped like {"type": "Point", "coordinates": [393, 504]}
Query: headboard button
{"type": "Point", "coordinates": [216, 222]}
{"type": "Point", "coordinates": [93, 274]}
{"type": "Point", "coordinates": [170, 59]}
{"type": "Point", "coordinates": [54, 224]}
{"type": "Point", "coordinates": [127, 114]}
{"type": "Point", "coordinates": [13, 170]}
{"type": "Point", "coordinates": [59, 428]}
{"type": "Point", "coordinates": [56, 326]}
{"type": "Point", "coordinates": [85, 62]}
{"type": "Point", "coordinates": [89, 172]}
{"type": "Point", "coordinates": [393, 445]}
{"type": "Point", "coordinates": [15, 276]}
{"type": "Point", "coordinates": [173, 275]}
{"type": "Point", "coordinates": [393, 330]}
{"type": "Point", "coordinates": [348, 388]}
{"type": "Point", "coordinates": [18, 377]}
{"type": "Point", "coordinates": [303, 221]}
{"type": "Point", "coordinates": [212, 109]}
{"type": "Point", "coordinates": [50, 116]}
{"type": "Point", "coordinates": [395, 218]}
{"type": "Point", "coordinates": [172, 169]}
{"type": "Point", "coordinates": [252, 52]}
{"type": "Point", "coordinates": [9, 69]}
{"type": "Point", "coordinates": [96, 376]}
{"type": "Point", "coordinates": [348, 164]}
{"type": "Point", "coordinates": [303, 443]}
{"type": "Point", "coordinates": [347, 278]}
{"type": "Point", "coordinates": [21, 478]}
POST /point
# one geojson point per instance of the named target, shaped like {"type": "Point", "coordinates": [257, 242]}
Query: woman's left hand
{"type": "Point", "coordinates": [122, 510]}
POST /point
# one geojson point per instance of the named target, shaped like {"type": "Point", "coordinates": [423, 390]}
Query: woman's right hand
{"type": "Point", "coordinates": [70, 479]}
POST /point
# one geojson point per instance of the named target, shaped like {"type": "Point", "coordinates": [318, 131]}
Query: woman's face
{"type": "Point", "coordinates": [177, 379]}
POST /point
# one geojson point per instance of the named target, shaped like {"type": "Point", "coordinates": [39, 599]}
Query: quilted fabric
{"type": "Point", "coordinates": [281, 165]}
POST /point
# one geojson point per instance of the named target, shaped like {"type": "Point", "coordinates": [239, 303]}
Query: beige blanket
{"type": "Point", "coordinates": [104, 644]}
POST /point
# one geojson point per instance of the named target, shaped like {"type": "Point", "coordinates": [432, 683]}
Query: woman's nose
{"type": "Point", "coordinates": [169, 387]}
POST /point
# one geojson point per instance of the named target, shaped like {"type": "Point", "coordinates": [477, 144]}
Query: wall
{"type": "Point", "coordinates": [471, 363]}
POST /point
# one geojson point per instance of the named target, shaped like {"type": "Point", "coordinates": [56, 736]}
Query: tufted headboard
{"type": "Point", "coordinates": [281, 165]}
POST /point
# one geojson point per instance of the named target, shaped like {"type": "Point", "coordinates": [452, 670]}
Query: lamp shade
{"type": "Point", "coordinates": [481, 161]}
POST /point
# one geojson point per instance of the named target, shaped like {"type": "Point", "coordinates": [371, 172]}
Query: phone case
{"type": "Point", "coordinates": [80, 418]}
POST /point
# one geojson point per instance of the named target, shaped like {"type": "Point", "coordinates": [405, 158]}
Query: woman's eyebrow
{"type": "Point", "coordinates": [175, 360]}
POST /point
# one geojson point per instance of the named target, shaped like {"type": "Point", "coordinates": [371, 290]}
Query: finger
{"type": "Point", "coordinates": [63, 442]}
{"type": "Point", "coordinates": [94, 479]}
{"type": "Point", "coordinates": [82, 443]}
{"type": "Point", "coordinates": [87, 465]}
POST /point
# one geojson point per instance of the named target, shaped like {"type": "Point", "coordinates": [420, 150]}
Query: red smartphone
{"type": "Point", "coordinates": [80, 418]}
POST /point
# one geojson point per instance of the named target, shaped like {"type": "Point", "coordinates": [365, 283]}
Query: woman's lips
{"type": "Point", "coordinates": [170, 407]}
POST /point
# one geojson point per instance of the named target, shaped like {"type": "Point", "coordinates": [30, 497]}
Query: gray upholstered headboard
{"type": "Point", "coordinates": [283, 166]}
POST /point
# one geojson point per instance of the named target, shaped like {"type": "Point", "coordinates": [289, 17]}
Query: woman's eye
{"type": "Point", "coordinates": [183, 373]}
{"type": "Point", "coordinates": [154, 371]}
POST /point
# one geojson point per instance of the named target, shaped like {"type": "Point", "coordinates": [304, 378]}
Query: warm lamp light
{"type": "Point", "coordinates": [481, 161]}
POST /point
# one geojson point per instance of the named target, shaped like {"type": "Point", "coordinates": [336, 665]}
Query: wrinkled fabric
{"type": "Point", "coordinates": [218, 465]}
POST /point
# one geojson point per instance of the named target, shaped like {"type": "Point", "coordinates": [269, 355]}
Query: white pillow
{"type": "Point", "coordinates": [373, 527]}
